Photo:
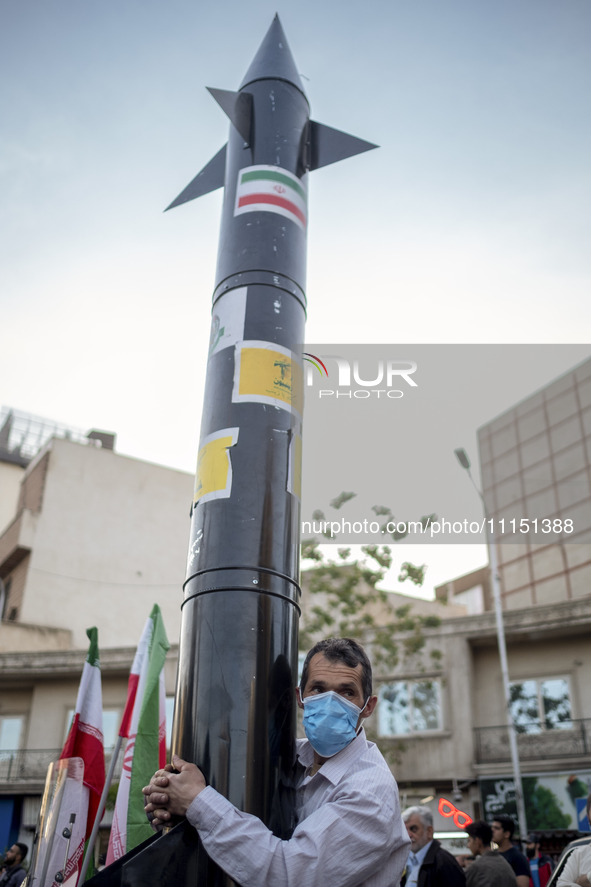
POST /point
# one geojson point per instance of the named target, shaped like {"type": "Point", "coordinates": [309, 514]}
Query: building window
{"type": "Point", "coordinates": [111, 724]}
{"type": "Point", "coordinates": [409, 707]}
{"type": "Point", "coordinates": [538, 705]}
{"type": "Point", "coordinates": [11, 731]}
{"type": "Point", "coordinates": [4, 595]}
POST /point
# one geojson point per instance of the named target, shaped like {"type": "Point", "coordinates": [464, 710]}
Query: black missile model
{"type": "Point", "coordinates": [235, 705]}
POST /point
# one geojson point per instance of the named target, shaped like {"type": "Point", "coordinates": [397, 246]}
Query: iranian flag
{"type": "Point", "coordinates": [85, 739]}
{"type": "Point", "coordinates": [144, 726]}
{"type": "Point", "coordinates": [271, 189]}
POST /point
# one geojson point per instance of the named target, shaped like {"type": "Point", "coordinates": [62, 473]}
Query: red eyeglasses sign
{"type": "Point", "coordinates": [447, 809]}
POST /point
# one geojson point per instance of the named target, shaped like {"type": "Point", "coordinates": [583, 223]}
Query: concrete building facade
{"type": "Point", "coordinates": [444, 722]}
{"type": "Point", "coordinates": [97, 538]}
{"type": "Point", "coordinates": [536, 471]}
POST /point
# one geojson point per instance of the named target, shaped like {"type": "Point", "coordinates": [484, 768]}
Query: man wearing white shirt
{"type": "Point", "coordinates": [577, 869]}
{"type": "Point", "coordinates": [350, 831]}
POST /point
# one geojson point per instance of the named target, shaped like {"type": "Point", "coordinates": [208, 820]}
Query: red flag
{"type": "Point", "coordinates": [85, 739]}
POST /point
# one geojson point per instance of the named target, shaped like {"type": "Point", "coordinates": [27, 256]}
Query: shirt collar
{"type": "Point", "coordinates": [336, 767]}
{"type": "Point", "coordinates": [423, 852]}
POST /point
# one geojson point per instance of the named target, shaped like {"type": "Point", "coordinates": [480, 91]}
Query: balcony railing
{"type": "Point", "coordinates": [30, 765]}
{"type": "Point", "coordinates": [492, 743]}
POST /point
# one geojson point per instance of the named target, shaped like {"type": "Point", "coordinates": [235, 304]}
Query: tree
{"type": "Point", "coordinates": [542, 807]}
{"type": "Point", "coordinates": [350, 602]}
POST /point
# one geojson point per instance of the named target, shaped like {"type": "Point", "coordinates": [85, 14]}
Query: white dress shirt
{"type": "Point", "coordinates": [578, 863]}
{"type": "Point", "coordinates": [349, 833]}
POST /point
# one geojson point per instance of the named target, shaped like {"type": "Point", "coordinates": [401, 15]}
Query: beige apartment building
{"type": "Point", "coordinates": [536, 462]}
{"type": "Point", "coordinates": [90, 537]}
{"type": "Point", "coordinates": [444, 718]}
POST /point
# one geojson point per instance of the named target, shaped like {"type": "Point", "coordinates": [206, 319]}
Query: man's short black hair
{"type": "Point", "coordinates": [22, 849]}
{"type": "Point", "coordinates": [480, 829]}
{"type": "Point", "coordinates": [342, 650]}
{"type": "Point", "coordinates": [507, 823]}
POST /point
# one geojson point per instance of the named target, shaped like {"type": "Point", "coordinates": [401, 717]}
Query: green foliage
{"type": "Point", "coordinates": [410, 571]}
{"type": "Point", "coordinates": [351, 603]}
{"type": "Point", "coordinates": [542, 807]}
{"type": "Point", "coordinates": [341, 499]}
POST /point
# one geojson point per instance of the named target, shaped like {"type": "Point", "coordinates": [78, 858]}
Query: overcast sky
{"type": "Point", "coordinates": [470, 223]}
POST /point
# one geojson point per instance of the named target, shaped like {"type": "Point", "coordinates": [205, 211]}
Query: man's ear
{"type": "Point", "coordinates": [371, 704]}
{"type": "Point", "coordinates": [299, 697]}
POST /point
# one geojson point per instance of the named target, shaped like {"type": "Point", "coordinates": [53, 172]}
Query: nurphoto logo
{"type": "Point", "coordinates": [360, 379]}
{"type": "Point", "coordinates": [316, 362]}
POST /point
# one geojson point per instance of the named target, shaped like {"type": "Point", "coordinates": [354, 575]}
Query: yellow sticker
{"type": "Point", "coordinates": [268, 373]}
{"type": "Point", "coordinates": [214, 466]}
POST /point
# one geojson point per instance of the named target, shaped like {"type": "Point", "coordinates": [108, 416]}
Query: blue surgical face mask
{"type": "Point", "coordinates": [330, 722]}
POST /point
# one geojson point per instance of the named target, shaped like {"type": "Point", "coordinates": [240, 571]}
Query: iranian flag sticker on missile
{"type": "Point", "coordinates": [271, 189]}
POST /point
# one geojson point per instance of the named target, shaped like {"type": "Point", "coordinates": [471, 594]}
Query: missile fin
{"type": "Point", "coordinates": [328, 145]}
{"type": "Point", "coordinates": [210, 178]}
{"type": "Point", "coordinates": [238, 107]}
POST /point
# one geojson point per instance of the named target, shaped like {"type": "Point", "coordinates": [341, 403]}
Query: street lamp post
{"type": "Point", "coordinates": [464, 461]}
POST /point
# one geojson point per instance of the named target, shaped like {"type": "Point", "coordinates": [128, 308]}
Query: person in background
{"type": "Point", "coordinates": [503, 827]}
{"type": "Point", "coordinates": [465, 860]}
{"type": "Point", "coordinates": [14, 873]}
{"type": "Point", "coordinates": [489, 868]}
{"type": "Point", "coordinates": [577, 869]}
{"type": "Point", "coordinates": [428, 865]}
{"type": "Point", "coordinates": [541, 867]}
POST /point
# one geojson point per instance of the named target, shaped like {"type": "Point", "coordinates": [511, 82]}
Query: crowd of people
{"type": "Point", "coordinates": [491, 860]}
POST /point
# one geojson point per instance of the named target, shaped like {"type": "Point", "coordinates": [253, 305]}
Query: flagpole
{"type": "Point", "coordinates": [101, 809]}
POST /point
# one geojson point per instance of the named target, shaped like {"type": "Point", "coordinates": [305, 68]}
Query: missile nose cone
{"type": "Point", "coordinates": [273, 59]}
